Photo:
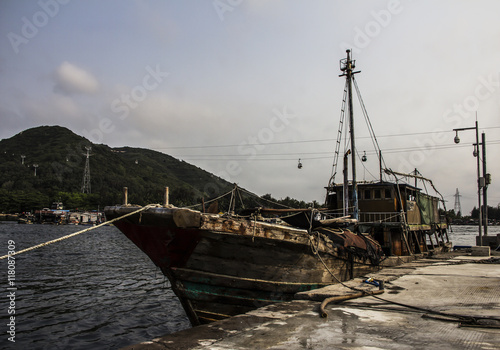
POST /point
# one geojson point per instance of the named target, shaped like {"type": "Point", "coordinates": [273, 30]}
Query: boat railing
{"type": "Point", "coordinates": [380, 217]}
{"type": "Point", "coordinates": [443, 219]}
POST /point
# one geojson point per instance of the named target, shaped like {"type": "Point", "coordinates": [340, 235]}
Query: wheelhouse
{"type": "Point", "coordinates": [400, 216]}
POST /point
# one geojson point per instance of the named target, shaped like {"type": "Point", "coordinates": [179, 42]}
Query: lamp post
{"type": "Point", "coordinates": [486, 182]}
{"type": "Point", "coordinates": [482, 182]}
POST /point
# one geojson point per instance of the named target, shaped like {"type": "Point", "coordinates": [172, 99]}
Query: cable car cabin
{"type": "Point", "coordinates": [401, 218]}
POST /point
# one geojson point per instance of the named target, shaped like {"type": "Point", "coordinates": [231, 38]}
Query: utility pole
{"type": "Point", "coordinates": [486, 181]}
{"type": "Point", "coordinates": [86, 173]}
{"type": "Point", "coordinates": [475, 154]}
{"type": "Point", "coordinates": [22, 159]}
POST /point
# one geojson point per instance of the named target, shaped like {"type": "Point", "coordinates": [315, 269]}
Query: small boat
{"type": "Point", "coordinates": [225, 264]}
{"type": "Point", "coordinates": [25, 218]}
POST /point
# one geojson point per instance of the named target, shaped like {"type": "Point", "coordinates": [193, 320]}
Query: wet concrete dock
{"type": "Point", "coordinates": [453, 285]}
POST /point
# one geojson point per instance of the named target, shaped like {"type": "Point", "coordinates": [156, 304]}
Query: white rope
{"type": "Point", "coordinates": [77, 233]}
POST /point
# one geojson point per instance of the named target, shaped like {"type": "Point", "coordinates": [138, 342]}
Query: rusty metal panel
{"type": "Point", "coordinates": [413, 213]}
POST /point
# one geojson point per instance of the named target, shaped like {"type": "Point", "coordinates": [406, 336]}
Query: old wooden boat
{"type": "Point", "coordinates": [224, 264]}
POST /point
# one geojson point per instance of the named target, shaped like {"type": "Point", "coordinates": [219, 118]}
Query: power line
{"type": "Point", "coordinates": [293, 155]}
{"type": "Point", "coordinates": [314, 140]}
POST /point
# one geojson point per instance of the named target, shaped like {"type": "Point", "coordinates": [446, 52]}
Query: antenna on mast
{"type": "Point", "coordinates": [346, 66]}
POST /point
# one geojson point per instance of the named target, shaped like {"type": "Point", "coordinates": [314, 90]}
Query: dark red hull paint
{"type": "Point", "coordinates": [166, 247]}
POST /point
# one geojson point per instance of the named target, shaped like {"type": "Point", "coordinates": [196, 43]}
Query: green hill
{"type": "Point", "coordinates": [59, 154]}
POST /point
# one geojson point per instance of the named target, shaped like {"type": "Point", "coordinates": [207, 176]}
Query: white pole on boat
{"type": "Point", "coordinates": [166, 197]}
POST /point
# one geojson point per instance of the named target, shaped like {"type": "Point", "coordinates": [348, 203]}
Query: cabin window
{"type": "Point", "coordinates": [411, 196]}
{"type": "Point", "coordinates": [387, 193]}
{"type": "Point", "coordinates": [377, 194]}
{"type": "Point", "coordinates": [368, 194]}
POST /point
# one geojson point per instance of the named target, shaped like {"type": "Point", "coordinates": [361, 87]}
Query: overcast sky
{"type": "Point", "coordinates": [244, 88]}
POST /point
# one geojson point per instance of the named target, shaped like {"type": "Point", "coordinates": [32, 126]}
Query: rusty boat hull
{"type": "Point", "coordinates": [220, 266]}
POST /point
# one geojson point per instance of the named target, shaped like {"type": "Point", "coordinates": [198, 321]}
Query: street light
{"type": "Point", "coordinates": [482, 182]}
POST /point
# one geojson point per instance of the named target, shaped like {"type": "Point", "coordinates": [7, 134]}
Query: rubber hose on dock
{"type": "Point", "coordinates": [340, 298]}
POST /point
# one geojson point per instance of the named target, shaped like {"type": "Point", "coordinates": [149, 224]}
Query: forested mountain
{"type": "Point", "coordinates": [59, 156]}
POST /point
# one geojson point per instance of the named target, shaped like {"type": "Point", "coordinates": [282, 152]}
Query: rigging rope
{"type": "Point", "coordinates": [394, 173]}
{"type": "Point", "coordinates": [368, 122]}
{"type": "Point", "coordinates": [211, 200]}
{"type": "Point", "coordinates": [339, 137]}
{"type": "Point", "coordinates": [339, 133]}
{"type": "Point", "coordinates": [264, 199]}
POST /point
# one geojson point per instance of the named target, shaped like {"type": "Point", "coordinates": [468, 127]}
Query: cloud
{"type": "Point", "coordinates": [70, 79]}
{"type": "Point", "coordinates": [61, 109]}
{"type": "Point", "coordinates": [170, 116]}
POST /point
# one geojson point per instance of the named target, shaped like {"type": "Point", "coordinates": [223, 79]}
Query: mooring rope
{"type": "Point", "coordinates": [77, 233]}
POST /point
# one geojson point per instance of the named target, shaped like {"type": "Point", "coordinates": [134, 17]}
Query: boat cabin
{"type": "Point", "coordinates": [399, 216]}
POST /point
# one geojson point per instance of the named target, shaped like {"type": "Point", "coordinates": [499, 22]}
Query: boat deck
{"type": "Point", "coordinates": [448, 283]}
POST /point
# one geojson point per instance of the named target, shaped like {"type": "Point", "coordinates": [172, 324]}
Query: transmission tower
{"type": "Point", "coordinates": [86, 173]}
{"type": "Point", "coordinates": [458, 208]}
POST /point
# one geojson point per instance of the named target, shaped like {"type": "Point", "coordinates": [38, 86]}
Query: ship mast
{"type": "Point", "coordinates": [346, 66]}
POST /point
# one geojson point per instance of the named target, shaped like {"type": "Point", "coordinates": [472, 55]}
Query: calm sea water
{"type": "Point", "coordinates": [466, 235]}
{"type": "Point", "coordinates": [94, 291]}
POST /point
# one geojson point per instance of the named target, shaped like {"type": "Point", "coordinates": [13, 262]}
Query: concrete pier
{"type": "Point", "coordinates": [451, 284]}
